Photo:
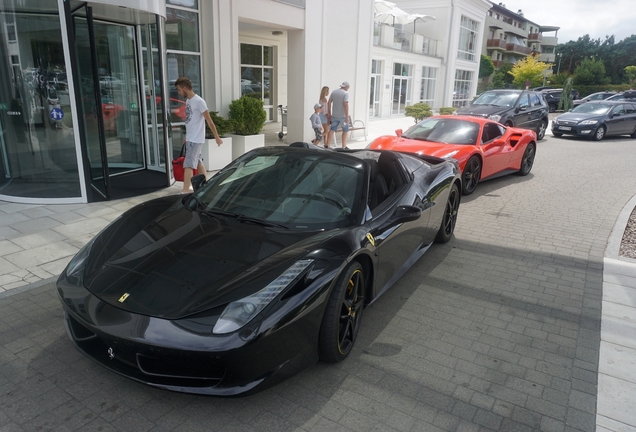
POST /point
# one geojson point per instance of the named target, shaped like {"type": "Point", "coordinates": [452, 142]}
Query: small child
{"type": "Point", "coordinates": [316, 123]}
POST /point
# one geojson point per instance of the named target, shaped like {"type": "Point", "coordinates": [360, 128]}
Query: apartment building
{"type": "Point", "coordinates": [510, 37]}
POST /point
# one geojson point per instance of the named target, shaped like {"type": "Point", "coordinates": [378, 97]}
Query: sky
{"type": "Point", "coordinates": [577, 18]}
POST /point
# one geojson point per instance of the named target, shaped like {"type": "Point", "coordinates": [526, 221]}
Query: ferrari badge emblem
{"type": "Point", "coordinates": [123, 298]}
{"type": "Point", "coordinates": [111, 353]}
{"type": "Point", "coordinates": [371, 239]}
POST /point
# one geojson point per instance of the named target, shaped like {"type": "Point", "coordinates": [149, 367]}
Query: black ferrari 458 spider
{"type": "Point", "coordinates": [265, 269]}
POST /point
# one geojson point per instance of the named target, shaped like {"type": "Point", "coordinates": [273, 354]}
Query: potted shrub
{"type": "Point", "coordinates": [214, 156]}
{"type": "Point", "coordinates": [447, 110]}
{"type": "Point", "coordinates": [247, 117]}
{"type": "Point", "coordinates": [418, 111]}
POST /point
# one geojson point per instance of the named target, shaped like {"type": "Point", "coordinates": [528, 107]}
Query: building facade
{"type": "Point", "coordinates": [433, 60]}
{"type": "Point", "coordinates": [510, 37]}
{"type": "Point", "coordinates": [87, 106]}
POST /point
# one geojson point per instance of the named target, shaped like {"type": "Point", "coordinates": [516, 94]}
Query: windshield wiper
{"type": "Point", "coordinates": [220, 212]}
{"type": "Point", "coordinates": [243, 218]}
{"type": "Point", "coordinates": [262, 222]}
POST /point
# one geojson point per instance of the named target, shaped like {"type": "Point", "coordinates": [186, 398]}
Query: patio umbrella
{"type": "Point", "coordinates": [423, 18]}
{"type": "Point", "coordinates": [382, 6]}
{"type": "Point", "coordinates": [393, 16]}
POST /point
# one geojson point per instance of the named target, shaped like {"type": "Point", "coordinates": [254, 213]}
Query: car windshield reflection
{"type": "Point", "coordinates": [445, 130]}
{"type": "Point", "coordinates": [592, 108]}
{"type": "Point", "coordinates": [496, 99]}
{"type": "Point", "coordinates": [296, 190]}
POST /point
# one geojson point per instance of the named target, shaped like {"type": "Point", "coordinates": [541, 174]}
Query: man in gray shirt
{"type": "Point", "coordinates": [338, 113]}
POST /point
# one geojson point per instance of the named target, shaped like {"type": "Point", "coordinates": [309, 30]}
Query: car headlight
{"type": "Point", "coordinates": [588, 122]}
{"type": "Point", "coordinates": [240, 312]}
{"type": "Point", "coordinates": [75, 268]}
{"type": "Point", "coordinates": [495, 117]}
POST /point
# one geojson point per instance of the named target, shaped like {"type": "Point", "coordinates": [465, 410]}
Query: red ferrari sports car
{"type": "Point", "coordinates": [483, 148]}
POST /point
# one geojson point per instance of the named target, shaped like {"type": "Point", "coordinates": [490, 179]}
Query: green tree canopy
{"type": "Point", "coordinates": [590, 72]}
{"type": "Point", "coordinates": [501, 78]}
{"type": "Point", "coordinates": [630, 74]}
{"type": "Point", "coordinates": [529, 69]}
{"type": "Point", "coordinates": [486, 67]}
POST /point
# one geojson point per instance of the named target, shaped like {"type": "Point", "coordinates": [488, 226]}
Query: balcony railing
{"type": "Point", "coordinates": [496, 44]}
{"type": "Point", "coordinates": [518, 49]}
{"type": "Point", "coordinates": [535, 36]}
{"type": "Point", "coordinates": [498, 63]}
{"type": "Point", "coordinates": [388, 36]}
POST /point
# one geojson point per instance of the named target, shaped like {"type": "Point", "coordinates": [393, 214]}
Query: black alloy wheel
{"type": "Point", "coordinates": [599, 133]}
{"type": "Point", "coordinates": [633, 135]}
{"type": "Point", "coordinates": [343, 315]}
{"type": "Point", "coordinates": [471, 175]}
{"type": "Point", "coordinates": [552, 108]}
{"type": "Point", "coordinates": [450, 216]}
{"type": "Point", "coordinates": [543, 125]}
{"type": "Point", "coordinates": [527, 160]}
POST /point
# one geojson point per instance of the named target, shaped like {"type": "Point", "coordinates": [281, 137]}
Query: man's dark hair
{"type": "Point", "coordinates": [183, 82]}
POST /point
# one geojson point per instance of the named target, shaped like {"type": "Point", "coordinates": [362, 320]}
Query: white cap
{"type": "Point", "coordinates": [317, 106]}
{"type": "Point", "coordinates": [344, 84]}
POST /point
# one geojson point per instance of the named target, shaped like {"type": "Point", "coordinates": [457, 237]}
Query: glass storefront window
{"type": "Point", "coordinates": [38, 157]}
{"type": "Point", "coordinates": [182, 30]}
{"type": "Point", "coordinates": [257, 73]}
{"type": "Point", "coordinates": [193, 4]}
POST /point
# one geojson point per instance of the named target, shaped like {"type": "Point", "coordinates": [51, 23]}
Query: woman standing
{"type": "Point", "coordinates": [323, 101]}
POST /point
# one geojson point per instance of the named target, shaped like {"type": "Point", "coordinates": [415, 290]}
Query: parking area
{"type": "Point", "coordinates": [499, 329]}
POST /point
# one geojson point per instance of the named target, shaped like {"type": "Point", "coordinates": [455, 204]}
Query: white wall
{"type": "Point", "coordinates": [325, 43]}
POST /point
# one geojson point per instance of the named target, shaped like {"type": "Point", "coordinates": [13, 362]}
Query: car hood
{"type": "Point", "coordinates": [407, 145]}
{"type": "Point", "coordinates": [482, 110]}
{"type": "Point", "coordinates": [183, 262]}
{"type": "Point", "coordinates": [576, 117]}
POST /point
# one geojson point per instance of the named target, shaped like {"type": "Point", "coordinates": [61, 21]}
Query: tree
{"type": "Point", "coordinates": [486, 67]}
{"type": "Point", "coordinates": [502, 78]}
{"type": "Point", "coordinates": [590, 72]}
{"type": "Point", "coordinates": [566, 96]}
{"type": "Point", "coordinates": [630, 74]}
{"type": "Point", "coordinates": [529, 69]}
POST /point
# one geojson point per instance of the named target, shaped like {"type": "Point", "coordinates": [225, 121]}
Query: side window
{"type": "Point", "coordinates": [630, 109]}
{"type": "Point", "coordinates": [491, 131]}
{"type": "Point", "coordinates": [535, 101]}
{"type": "Point", "coordinates": [618, 109]}
{"type": "Point", "coordinates": [523, 101]}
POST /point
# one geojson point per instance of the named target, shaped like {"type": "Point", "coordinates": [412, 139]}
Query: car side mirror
{"type": "Point", "coordinates": [398, 132]}
{"type": "Point", "coordinates": [402, 214]}
{"type": "Point", "coordinates": [198, 181]}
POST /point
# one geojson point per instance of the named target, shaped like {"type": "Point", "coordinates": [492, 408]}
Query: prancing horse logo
{"type": "Point", "coordinates": [111, 353]}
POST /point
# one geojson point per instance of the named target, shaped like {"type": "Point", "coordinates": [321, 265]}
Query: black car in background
{"type": "Point", "coordinates": [596, 120]}
{"type": "Point", "coordinates": [524, 109]}
{"type": "Point", "coordinates": [594, 97]}
{"type": "Point", "coordinates": [553, 97]}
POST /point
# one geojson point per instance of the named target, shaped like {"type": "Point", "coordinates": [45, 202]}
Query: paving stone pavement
{"type": "Point", "coordinates": [499, 329]}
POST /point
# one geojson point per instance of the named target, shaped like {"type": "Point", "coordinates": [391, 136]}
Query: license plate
{"type": "Point", "coordinates": [565, 128]}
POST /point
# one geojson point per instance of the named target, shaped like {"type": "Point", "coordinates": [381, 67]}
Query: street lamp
{"type": "Point", "coordinates": [559, 55]}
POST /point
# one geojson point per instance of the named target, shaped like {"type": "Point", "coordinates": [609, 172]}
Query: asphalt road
{"type": "Point", "coordinates": [498, 329]}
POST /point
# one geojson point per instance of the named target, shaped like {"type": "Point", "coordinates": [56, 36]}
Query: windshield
{"type": "Point", "coordinates": [292, 189]}
{"type": "Point", "coordinates": [592, 108]}
{"type": "Point", "coordinates": [449, 131]}
{"type": "Point", "coordinates": [497, 99]}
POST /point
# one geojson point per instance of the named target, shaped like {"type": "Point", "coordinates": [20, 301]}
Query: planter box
{"type": "Point", "coordinates": [216, 157]}
{"type": "Point", "coordinates": [241, 144]}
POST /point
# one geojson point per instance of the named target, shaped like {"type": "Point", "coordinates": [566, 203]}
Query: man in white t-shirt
{"type": "Point", "coordinates": [196, 116]}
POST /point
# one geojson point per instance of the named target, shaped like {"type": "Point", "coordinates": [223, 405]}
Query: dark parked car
{"type": "Point", "coordinates": [553, 97]}
{"type": "Point", "coordinates": [597, 119]}
{"type": "Point", "coordinates": [598, 96]}
{"type": "Point", "coordinates": [265, 269]}
{"type": "Point", "coordinates": [524, 109]}
{"type": "Point", "coordinates": [629, 95]}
